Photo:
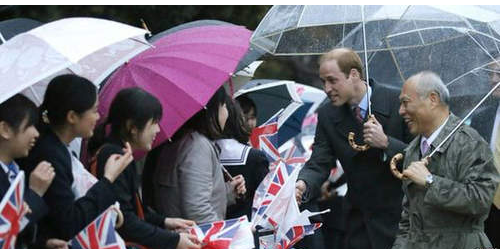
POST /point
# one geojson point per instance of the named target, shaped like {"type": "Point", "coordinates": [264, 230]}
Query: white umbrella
{"type": "Point", "coordinates": [89, 47]}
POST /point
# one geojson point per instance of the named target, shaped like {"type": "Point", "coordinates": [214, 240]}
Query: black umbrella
{"type": "Point", "coordinates": [10, 28]}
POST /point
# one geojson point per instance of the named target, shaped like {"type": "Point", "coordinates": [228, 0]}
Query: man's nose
{"type": "Point", "coordinates": [401, 110]}
{"type": "Point", "coordinates": [327, 88]}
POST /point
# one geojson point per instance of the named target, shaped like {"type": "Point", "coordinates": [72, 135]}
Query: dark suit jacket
{"type": "Point", "coordinates": [483, 122]}
{"type": "Point", "coordinates": [255, 169]}
{"type": "Point", "coordinates": [149, 232]}
{"type": "Point", "coordinates": [67, 216]}
{"type": "Point", "coordinates": [372, 188]}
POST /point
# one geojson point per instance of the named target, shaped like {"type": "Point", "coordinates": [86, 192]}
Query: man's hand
{"type": "Point", "coordinates": [41, 178]}
{"type": "Point", "coordinates": [325, 191]}
{"type": "Point", "coordinates": [417, 172]}
{"type": "Point", "coordinates": [188, 241]}
{"type": "Point", "coordinates": [301, 187]}
{"type": "Point", "coordinates": [178, 224]}
{"type": "Point", "coordinates": [374, 135]}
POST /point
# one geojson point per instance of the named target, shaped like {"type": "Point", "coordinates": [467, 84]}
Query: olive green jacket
{"type": "Point", "coordinates": [450, 212]}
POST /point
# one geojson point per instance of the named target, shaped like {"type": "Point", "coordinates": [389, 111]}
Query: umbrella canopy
{"type": "Point", "coordinates": [183, 71]}
{"type": "Point", "coordinates": [252, 54]}
{"type": "Point", "coordinates": [10, 28]}
{"type": "Point", "coordinates": [395, 42]}
{"type": "Point", "coordinates": [269, 97]}
{"type": "Point", "coordinates": [89, 47]}
{"type": "Point", "coordinates": [316, 29]}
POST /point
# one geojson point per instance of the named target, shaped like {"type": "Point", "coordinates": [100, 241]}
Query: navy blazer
{"type": "Point", "coordinates": [67, 216]}
{"type": "Point", "coordinates": [255, 169]}
{"type": "Point", "coordinates": [149, 232]}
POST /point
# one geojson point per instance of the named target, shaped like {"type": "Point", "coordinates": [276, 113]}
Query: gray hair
{"type": "Point", "coordinates": [428, 82]}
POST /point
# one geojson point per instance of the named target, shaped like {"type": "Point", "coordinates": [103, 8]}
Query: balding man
{"type": "Point", "coordinates": [447, 198]}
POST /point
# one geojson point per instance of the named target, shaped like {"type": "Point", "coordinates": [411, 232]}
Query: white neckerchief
{"type": "Point", "coordinates": [82, 179]}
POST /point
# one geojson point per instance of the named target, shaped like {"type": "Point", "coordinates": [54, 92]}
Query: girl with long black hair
{"type": "Point", "coordinates": [133, 118]}
{"type": "Point", "coordinates": [188, 179]}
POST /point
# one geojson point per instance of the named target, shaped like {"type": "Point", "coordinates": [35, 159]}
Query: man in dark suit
{"type": "Point", "coordinates": [372, 205]}
{"type": "Point", "coordinates": [17, 135]}
{"type": "Point", "coordinates": [487, 123]}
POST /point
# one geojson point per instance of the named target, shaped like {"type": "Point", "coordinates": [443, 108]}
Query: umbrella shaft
{"type": "Point", "coordinates": [366, 61]}
{"type": "Point", "coordinates": [464, 119]}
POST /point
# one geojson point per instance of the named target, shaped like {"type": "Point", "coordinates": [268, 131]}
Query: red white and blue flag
{"type": "Point", "coordinates": [99, 234]}
{"type": "Point", "coordinates": [225, 234]}
{"type": "Point", "coordinates": [12, 208]}
{"type": "Point", "coordinates": [266, 137]}
{"type": "Point", "coordinates": [295, 234]}
{"type": "Point", "coordinates": [273, 195]}
{"type": "Point", "coordinates": [291, 156]}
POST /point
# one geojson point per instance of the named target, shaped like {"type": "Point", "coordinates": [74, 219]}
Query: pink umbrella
{"type": "Point", "coordinates": [183, 71]}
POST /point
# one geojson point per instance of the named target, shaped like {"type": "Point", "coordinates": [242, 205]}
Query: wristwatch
{"type": "Point", "coordinates": [429, 180]}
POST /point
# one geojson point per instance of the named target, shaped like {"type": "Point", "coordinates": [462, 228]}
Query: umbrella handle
{"type": "Point", "coordinates": [120, 217]}
{"type": "Point", "coordinates": [355, 146]}
{"type": "Point", "coordinates": [352, 141]}
{"type": "Point", "coordinates": [393, 162]}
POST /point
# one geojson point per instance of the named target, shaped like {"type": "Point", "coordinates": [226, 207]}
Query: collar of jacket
{"type": "Point", "coordinates": [449, 126]}
{"type": "Point", "coordinates": [383, 106]}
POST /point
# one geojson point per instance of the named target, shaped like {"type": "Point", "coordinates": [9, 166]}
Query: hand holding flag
{"type": "Point", "coordinates": [12, 213]}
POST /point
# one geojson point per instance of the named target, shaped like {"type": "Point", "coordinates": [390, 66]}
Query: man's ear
{"type": "Point", "coordinates": [355, 73]}
{"type": "Point", "coordinates": [6, 131]}
{"type": "Point", "coordinates": [434, 98]}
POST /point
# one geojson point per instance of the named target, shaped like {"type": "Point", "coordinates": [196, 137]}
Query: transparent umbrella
{"type": "Point", "coordinates": [457, 42]}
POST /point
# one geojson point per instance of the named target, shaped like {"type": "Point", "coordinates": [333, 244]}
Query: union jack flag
{"type": "Point", "coordinates": [267, 205]}
{"type": "Point", "coordinates": [295, 234]}
{"type": "Point", "coordinates": [99, 234]}
{"type": "Point", "coordinates": [291, 156]}
{"type": "Point", "coordinates": [12, 213]}
{"type": "Point", "coordinates": [266, 138]}
{"type": "Point", "coordinates": [218, 234]}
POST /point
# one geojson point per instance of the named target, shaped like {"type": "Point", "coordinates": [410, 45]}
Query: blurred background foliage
{"type": "Point", "coordinates": [302, 69]}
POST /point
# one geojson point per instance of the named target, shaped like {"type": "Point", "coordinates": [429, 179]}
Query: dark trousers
{"type": "Point", "coordinates": [356, 234]}
{"type": "Point", "coordinates": [492, 226]}
{"type": "Point", "coordinates": [370, 229]}
{"type": "Point", "coordinates": [333, 238]}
